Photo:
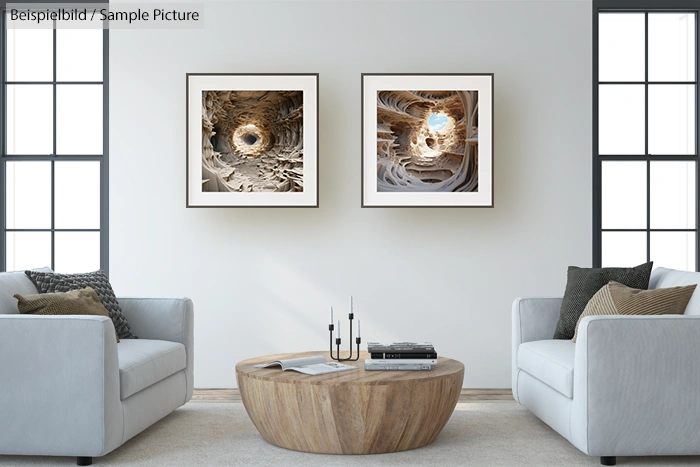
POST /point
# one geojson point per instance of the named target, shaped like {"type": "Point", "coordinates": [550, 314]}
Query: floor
{"type": "Point", "coordinates": [479, 434]}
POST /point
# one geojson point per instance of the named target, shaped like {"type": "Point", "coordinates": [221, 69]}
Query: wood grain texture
{"type": "Point", "coordinates": [467, 395]}
{"type": "Point", "coordinates": [352, 412]}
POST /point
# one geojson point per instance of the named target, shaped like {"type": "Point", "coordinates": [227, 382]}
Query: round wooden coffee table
{"type": "Point", "coordinates": [351, 412]}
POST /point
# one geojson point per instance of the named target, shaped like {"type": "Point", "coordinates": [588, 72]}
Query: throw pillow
{"type": "Point", "coordinates": [53, 282]}
{"type": "Point", "coordinates": [76, 302]}
{"type": "Point", "coordinates": [583, 283]}
{"type": "Point", "coordinates": [617, 299]}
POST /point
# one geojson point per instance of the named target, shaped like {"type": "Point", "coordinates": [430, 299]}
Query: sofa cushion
{"type": "Point", "coordinates": [662, 278]}
{"type": "Point", "coordinates": [583, 283]}
{"type": "Point", "coordinates": [76, 302]}
{"type": "Point", "coordinates": [53, 282]}
{"type": "Point", "coordinates": [550, 361]}
{"type": "Point", "coordinates": [617, 299]}
{"type": "Point", "coordinates": [144, 362]}
{"type": "Point", "coordinates": [12, 283]}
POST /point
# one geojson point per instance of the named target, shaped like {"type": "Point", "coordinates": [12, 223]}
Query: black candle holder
{"type": "Point", "coordinates": [331, 328]}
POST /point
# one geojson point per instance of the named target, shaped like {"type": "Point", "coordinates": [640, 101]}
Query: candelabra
{"type": "Point", "coordinates": [331, 328]}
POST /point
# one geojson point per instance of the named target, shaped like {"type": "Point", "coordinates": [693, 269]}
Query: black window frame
{"type": "Point", "coordinates": [643, 6]}
{"type": "Point", "coordinates": [103, 159]}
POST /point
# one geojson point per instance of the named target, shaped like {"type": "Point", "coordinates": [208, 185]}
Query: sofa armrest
{"type": "Point", "coordinates": [636, 383]}
{"type": "Point", "coordinates": [533, 319]}
{"type": "Point", "coordinates": [167, 319]}
{"type": "Point", "coordinates": [59, 386]}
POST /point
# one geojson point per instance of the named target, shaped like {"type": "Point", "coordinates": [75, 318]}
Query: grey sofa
{"type": "Point", "coordinates": [68, 389]}
{"type": "Point", "coordinates": [629, 386]}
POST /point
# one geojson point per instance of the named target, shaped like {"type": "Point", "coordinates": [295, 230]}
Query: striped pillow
{"type": "Point", "coordinates": [618, 299]}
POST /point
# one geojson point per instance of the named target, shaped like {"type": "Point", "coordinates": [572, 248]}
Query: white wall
{"type": "Point", "coordinates": [262, 279]}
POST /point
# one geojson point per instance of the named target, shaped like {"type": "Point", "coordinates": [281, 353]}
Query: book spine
{"type": "Point", "coordinates": [399, 355]}
{"type": "Point", "coordinates": [398, 367]}
{"type": "Point", "coordinates": [406, 361]}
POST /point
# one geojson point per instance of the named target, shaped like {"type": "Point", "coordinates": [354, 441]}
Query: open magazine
{"type": "Point", "coordinates": [309, 365]}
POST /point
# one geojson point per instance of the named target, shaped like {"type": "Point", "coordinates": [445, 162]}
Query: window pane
{"type": "Point", "coordinates": [28, 196]}
{"type": "Point", "coordinates": [28, 250]}
{"type": "Point", "coordinates": [30, 119]}
{"type": "Point", "coordinates": [675, 250]}
{"type": "Point", "coordinates": [621, 119]}
{"type": "Point", "coordinates": [671, 119]}
{"type": "Point", "coordinates": [29, 54]}
{"type": "Point", "coordinates": [77, 195]}
{"type": "Point", "coordinates": [79, 54]}
{"type": "Point", "coordinates": [624, 249]}
{"type": "Point", "coordinates": [624, 195]}
{"type": "Point", "coordinates": [79, 119]}
{"type": "Point", "coordinates": [621, 47]}
{"type": "Point", "coordinates": [672, 47]}
{"type": "Point", "coordinates": [672, 195]}
{"type": "Point", "coordinates": [77, 252]}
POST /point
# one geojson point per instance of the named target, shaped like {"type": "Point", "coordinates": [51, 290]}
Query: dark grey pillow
{"type": "Point", "coordinates": [48, 282]}
{"type": "Point", "coordinates": [583, 283]}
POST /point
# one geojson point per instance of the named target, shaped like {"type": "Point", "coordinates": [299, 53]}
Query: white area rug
{"type": "Point", "coordinates": [221, 434]}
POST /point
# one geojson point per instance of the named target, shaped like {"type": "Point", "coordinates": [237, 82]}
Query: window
{"type": "Point", "coordinates": [645, 125]}
{"type": "Point", "coordinates": [53, 143]}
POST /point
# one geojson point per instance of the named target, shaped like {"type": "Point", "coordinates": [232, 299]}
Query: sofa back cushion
{"type": "Point", "coordinates": [12, 283]}
{"type": "Point", "coordinates": [662, 278]}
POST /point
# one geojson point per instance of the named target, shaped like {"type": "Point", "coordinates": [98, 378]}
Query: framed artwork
{"type": "Point", "coordinates": [252, 140]}
{"type": "Point", "coordinates": [427, 140]}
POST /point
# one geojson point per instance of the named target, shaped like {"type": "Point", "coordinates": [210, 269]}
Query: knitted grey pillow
{"type": "Point", "coordinates": [48, 282]}
{"type": "Point", "coordinates": [583, 283]}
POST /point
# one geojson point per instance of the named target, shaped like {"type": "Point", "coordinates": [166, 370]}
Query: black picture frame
{"type": "Point", "coordinates": [482, 83]}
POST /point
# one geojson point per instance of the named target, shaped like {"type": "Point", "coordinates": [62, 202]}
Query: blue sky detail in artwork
{"type": "Point", "coordinates": [437, 122]}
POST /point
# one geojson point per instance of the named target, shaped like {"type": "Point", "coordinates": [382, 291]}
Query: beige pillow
{"type": "Point", "coordinates": [76, 302]}
{"type": "Point", "coordinates": [618, 299]}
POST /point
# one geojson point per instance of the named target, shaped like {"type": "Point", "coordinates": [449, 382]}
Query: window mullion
{"type": "Point", "coordinates": [83, 83]}
{"type": "Point", "coordinates": [646, 129]}
{"type": "Point", "coordinates": [53, 164]}
{"type": "Point", "coordinates": [697, 141]}
{"type": "Point", "coordinates": [53, 213]}
{"type": "Point", "coordinates": [59, 157]}
{"type": "Point", "coordinates": [104, 160]}
{"type": "Point", "coordinates": [597, 161]}
{"type": "Point", "coordinates": [3, 145]}
{"type": "Point", "coordinates": [624, 83]}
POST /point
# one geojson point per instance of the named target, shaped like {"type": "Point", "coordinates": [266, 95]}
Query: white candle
{"type": "Point", "coordinates": [358, 328]}
{"type": "Point", "coordinates": [331, 318]}
{"type": "Point", "coordinates": [337, 331]}
{"type": "Point", "coordinates": [350, 303]}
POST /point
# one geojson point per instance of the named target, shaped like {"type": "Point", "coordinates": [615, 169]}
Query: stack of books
{"type": "Point", "coordinates": [400, 356]}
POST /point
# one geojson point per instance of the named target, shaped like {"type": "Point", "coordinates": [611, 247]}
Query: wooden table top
{"type": "Point", "coordinates": [445, 367]}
